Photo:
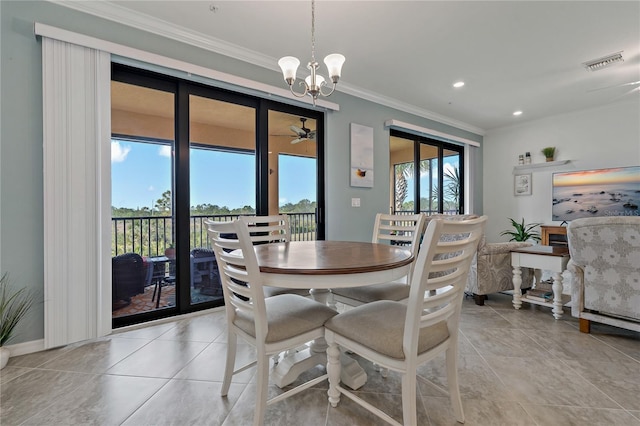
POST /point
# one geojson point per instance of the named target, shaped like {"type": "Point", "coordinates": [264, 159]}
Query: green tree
{"type": "Point", "coordinates": [164, 204]}
{"type": "Point", "coordinates": [452, 188]}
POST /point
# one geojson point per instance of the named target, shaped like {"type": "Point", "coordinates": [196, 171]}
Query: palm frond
{"type": "Point", "coordinates": [13, 307]}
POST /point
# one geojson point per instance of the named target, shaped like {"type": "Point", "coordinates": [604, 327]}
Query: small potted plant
{"type": "Point", "coordinates": [549, 152]}
{"type": "Point", "coordinates": [522, 232]}
{"type": "Point", "coordinates": [14, 305]}
{"type": "Point", "coordinates": [170, 251]}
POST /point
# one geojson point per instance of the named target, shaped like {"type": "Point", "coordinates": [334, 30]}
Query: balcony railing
{"type": "Point", "coordinates": [151, 235]}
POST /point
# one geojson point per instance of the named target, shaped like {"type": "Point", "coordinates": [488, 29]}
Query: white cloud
{"type": "Point", "coordinates": [165, 151]}
{"type": "Point", "coordinates": [151, 188]}
{"type": "Point", "coordinates": [119, 152]}
{"type": "Point", "coordinates": [282, 201]}
{"type": "Point", "coordinates": [449, 168]}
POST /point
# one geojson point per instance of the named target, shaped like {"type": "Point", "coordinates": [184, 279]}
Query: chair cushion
{"type": "Point", "coordinates": [288, 315]}
{"type": "Point", "coordinates": [380, 327]}
{"type": "Point", "coordinates": [274, 291]}
{"type": "Point", "coordinates": [395, 290]}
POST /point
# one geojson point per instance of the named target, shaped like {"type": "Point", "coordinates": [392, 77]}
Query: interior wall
{"type": "Point", "coordinates": [21, 185]}
{"type": "Point", "coordinates": [608, 136]}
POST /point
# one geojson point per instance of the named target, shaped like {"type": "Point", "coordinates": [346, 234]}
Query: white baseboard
{"type": "Point", "coordinates": [26, 347]}
{"type": "Point", "coordinates": [38, 345]}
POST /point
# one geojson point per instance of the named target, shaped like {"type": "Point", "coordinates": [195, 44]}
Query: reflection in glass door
{"type": "Point", "coordinates": [222, 181]}
{"type": "Point", "coordinates": [293, 169]}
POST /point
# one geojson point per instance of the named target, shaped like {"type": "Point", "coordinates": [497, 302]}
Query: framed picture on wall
{"type": "Point", "coordinates": [361, 155]}
{"type": "Point", "coordinates": [522, 184]}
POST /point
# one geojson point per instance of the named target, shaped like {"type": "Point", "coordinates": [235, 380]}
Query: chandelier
{"type": "Point", "coordinates": [313, 83]}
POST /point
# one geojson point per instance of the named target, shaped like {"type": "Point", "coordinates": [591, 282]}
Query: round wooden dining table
{"type": "Point", "coordinates": [331, 264]}
{"type": "Point", "coordinates": [320, 266]}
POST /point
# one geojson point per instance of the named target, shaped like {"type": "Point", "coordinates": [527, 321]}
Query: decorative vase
{"type": "Point", "coordinates": [5, 353]}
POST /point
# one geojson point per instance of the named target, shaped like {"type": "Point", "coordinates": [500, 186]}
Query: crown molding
{"type": "Point", "coordinates": [122, 15]}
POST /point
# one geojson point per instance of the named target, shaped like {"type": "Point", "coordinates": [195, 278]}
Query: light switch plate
{"type": "Point", "coordinates": [355, 202]}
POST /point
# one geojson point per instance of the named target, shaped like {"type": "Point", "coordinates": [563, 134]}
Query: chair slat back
{"type": "Point", "coordinates": [447, 248]}
{"type": "Point", "coordinates": [239, 272]}
{"type": "Point", "coordinates": [268, 229]}
{"type": "Point", "coordinates": [399, 229]}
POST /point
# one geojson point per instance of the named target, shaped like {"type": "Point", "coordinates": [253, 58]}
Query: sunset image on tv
{"type": "Point", "coordinates": [590, 193]}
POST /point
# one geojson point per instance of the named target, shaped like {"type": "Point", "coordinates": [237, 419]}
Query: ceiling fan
{"type": "Point", "coordinates": [302, 133]}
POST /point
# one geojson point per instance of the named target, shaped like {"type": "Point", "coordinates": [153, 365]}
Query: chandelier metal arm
{"type": "Point", "coordinates": [327, 94]}
{"type": "Point", "coordinates": [299, 95]}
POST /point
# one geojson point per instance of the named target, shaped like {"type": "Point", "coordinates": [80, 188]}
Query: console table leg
{"type": "Point", "coordinates": [517, 283]}
{"type": "Point", "coordinates": [557, 295]}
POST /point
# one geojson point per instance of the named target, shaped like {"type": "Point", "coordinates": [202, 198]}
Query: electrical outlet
{"type": "Point", "coordinates": [355, 202]}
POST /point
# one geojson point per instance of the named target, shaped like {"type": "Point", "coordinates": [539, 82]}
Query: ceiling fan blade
{"type": "Point", "coordinates": [295, 141]}
{"type": "Point", "coordinates": [297, 130]}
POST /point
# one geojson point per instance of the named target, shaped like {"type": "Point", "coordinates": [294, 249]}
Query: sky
{"type": "Point", "coordinates": [141, 172]}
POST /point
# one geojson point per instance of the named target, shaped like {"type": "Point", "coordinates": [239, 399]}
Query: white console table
{"type": "Point", "coordinates": [551, 258]}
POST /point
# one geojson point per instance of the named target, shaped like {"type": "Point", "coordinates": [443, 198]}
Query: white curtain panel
{"type": "Point", "coordinates": [77, 192]}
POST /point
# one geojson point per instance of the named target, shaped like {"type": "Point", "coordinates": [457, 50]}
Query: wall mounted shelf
{"type": "Point", "coordinates": [532, 167]}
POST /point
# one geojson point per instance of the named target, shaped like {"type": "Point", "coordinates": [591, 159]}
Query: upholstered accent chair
{"type": "Point", "coordinates": [491, 270]}
{"type": "Point", "coordinates": [605, 271]}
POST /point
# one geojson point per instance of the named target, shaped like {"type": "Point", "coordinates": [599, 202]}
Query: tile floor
{"type": "Point", "coordinates": [516, 368]}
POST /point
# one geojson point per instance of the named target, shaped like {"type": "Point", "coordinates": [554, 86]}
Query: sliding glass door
{"type": "Point", "coordinates": [222, 181]}
{"type": "Point", "coordinates": [183, 153]}
{"type": "Point", "coordinates": [426, 175]}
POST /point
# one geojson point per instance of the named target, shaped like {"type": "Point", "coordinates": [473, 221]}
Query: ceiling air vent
{"type": "Point", "coordinates": [601, 63]}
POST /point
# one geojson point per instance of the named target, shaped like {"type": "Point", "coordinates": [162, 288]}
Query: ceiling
{"type": "Point", "coordinates": [516, 55]}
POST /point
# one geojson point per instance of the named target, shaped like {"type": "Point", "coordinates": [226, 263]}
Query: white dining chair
{"type": "Point", "coordinates": [272, 325]}
{"type": "Point", "coordinates": [400, 229]}
{"type": "Point", "coordinates": [272, 229]}
{"type": "Point", "coordinates": [401, 336]}
{"type": "Point", "coordinates": [268, 230]}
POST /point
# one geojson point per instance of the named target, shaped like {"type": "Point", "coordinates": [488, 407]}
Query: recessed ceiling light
{"type": "Point", "coordinates": [517, 113]}
{"type": "Point", "coordinates": [458, 84]}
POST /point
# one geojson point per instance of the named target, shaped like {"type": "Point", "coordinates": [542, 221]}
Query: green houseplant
{"type": "Point", "coordinates": [522, 231]}
{"type": "Point", "coordinates": [14, 305]}
{"type": "Point", "coordinates": [549, 152]}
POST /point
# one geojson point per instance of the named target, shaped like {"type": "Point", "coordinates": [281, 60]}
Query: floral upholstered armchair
{"type": "Point", "coordinates": [605, 269]}
{"type": "Point", "coordinates": [491, 271]}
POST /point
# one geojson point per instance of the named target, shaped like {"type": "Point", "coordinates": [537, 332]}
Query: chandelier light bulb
{"type": "Point", "coordinates": [334, 65]}
{"type": "Point", "coordinates": [289, 66]}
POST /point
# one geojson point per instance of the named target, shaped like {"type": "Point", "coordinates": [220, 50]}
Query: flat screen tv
{"type": "Point", "coordinates": [601, 192]}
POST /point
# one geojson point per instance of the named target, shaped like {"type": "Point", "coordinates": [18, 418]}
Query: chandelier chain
{"type": "Point", "coordinates": [313, 30]}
